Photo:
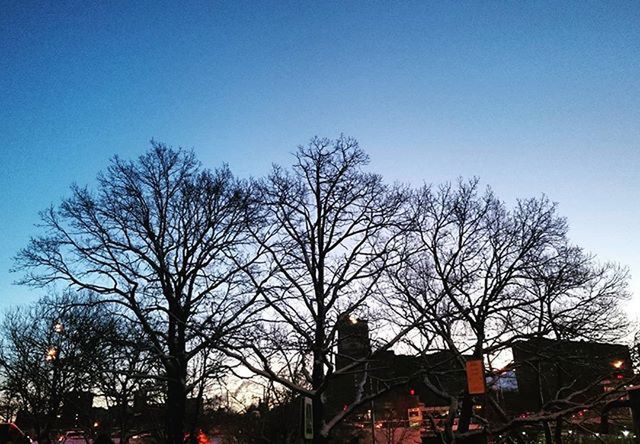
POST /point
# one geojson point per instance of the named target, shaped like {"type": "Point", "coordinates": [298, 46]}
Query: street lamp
{"type": "Point", "coordinates": [53, 357]}
{"type": "Point", "coordinates": [617, 364]}
{"type": "Point", "coordinates": [52, 354]}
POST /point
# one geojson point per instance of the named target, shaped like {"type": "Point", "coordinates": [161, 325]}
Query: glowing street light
{"type": "Point", "coordinates": [618, 363]}
{"type": "Point", "coordinates": [51, 355]}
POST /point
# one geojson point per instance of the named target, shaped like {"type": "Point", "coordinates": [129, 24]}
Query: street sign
{"type": "Point", "coordinates": [308, 418]}
{"type": "Point", "coordinates": [475, 377]}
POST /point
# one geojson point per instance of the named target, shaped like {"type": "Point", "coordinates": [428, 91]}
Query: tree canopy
{"type": "Point", "coordinates": [215, 274]}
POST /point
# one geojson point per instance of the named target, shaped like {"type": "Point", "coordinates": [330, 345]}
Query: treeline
{"type": "Point", "coordinates": [193, 272]}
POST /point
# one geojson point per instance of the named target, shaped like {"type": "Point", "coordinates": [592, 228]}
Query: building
{"type": "Point", "coordinates": [410, 381]}
{"type": "Point", "coordinates": [543, 371]}
{"type": "Point", "coordinates": [548, 370]}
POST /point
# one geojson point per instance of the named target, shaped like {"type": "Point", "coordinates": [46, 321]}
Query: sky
{"type": "Point", "coordinates": [532, 97]}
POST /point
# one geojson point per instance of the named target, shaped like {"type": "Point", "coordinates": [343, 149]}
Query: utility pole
{"type": "Point", "coordinates": [373, 416]}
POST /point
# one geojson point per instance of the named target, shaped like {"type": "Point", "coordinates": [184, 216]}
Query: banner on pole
{"type": "Point", "coordinates": [475, 377]}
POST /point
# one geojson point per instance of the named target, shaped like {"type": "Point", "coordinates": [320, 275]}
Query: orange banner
{"type": "Point", "coordinates": [475, 377]}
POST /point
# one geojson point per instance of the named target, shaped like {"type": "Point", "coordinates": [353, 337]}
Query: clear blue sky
{"type": "Point", "coordinates": [533, 97]}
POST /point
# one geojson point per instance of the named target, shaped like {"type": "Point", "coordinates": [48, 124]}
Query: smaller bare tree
{"type": "Point", "coordinates": [128, 366]}
{"type": "Point", "coordinates": [50, 349]}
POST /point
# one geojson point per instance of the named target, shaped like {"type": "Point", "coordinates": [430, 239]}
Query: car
{"type": "Point", "coordinates": [11, 434]}
{"type": "Point", "coordinates": [142, 438]}
{"type": "Point", "coordinates": [74, 437]}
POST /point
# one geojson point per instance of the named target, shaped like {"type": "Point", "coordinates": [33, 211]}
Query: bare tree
{"type": "Point", "coordinates": [128, 366]}
{"type": "Point", "coordinates": [330, 230]}
{"type": "Point", "coordinates": [48, 350]}
{"type": "Point", "coordinates": [480, 277]}
{"type": "Point", "coordinates": [163, 238]}
{"type": "Point", "coordinates": [573, 298]}
{"type": "Point", "coordinates": [577, 298]}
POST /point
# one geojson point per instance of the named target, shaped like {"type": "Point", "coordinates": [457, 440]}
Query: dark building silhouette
{"type": "Point", "coordinates": [405, 375]}
{"type": "Point", "coordinates": [544, 367]}
{"type": "Point", "coordinates": [353, 344]}
{"type": "Point", "coordinates": [353, 340]}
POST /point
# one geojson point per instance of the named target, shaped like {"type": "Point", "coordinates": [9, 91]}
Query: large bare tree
{"type": "Point", "coordinates": [330, 231]}
{"type": "Point", "coordinates": [164, 238]}
{"type": "Point", "coordinates": [480, 277]}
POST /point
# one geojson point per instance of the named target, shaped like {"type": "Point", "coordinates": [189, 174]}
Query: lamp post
{"type": "Point", "coordinates": [52, 356]}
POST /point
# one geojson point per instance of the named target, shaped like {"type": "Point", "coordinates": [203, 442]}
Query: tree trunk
{"type": "Point", "coordinates": [176, 404]}
{"type": "Point", "coordinates": [317, 379]}
{"type": "Point", "coordinates": [318, 375]}
{"type": "Point", "coordinates": [466, 410]}
{"type": "Point", "coordinates": [54, 401]}
{"type": "Point", "coordinates": [547, 433]}
{"type": "Point", "coordinates": [318, 406]}
{"type": "Point", "coordinates": [448, 428]}
{"type": "Point", "coordinates": [123, 417]}
{"type": "Point", "coordinates": [176, 377]}
{"type": "Point", "coordinates": [558, 431]}
{"type": "Point", "coordinates": [318, 421]}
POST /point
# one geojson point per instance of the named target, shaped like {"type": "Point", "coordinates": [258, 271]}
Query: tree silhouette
{"type": "Point", "coordinates": [479, 277]}
{"type": "Point", "coordinates": [163, 238]}
{"type": "Point", "coordinates": [330, 231]}
{"type": "Point", "coordinates": [49, 349]}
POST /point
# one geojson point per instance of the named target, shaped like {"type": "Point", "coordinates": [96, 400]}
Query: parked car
{"type": "Point", "coordinates": [74, 437]}
{"type": "Point", "coordinates": [11, 434]}
{"type": "Point", "coordinates": [142, 438]}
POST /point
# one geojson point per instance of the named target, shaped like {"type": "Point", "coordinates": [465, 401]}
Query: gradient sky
{"type": "Point", "coordinates": [532, 97]}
